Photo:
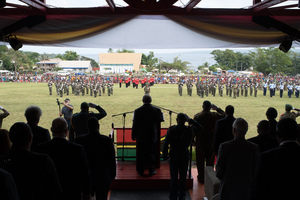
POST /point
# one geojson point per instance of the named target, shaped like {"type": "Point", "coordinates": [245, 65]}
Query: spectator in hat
{"type": "Point", "coordinates": [67, 111]}
{"type": "Point", "coordinates": [79, 120]}
{"type": "Point", "coordinates": [288, 112]}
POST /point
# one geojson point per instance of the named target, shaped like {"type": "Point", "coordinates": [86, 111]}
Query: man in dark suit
{"type": "Point", "coordinates": [40, 134]}
{"type": "Point", "coordinates": [79, 120]}
{"type": "Point", "coordinates": [264, 140]}
{"type": "Point", "coordinates": [236, 164]}
{"type": "Point", "coordinates": [101, 158]}
{"type": "Point", "coordinates": [278, 176]}
{"type": "Point", "coordinates": [223, 131]}
{"type": "Point", "coordinates": [8, 187]}
{"type": "Point", "coordinates": [34, 174]}
{"type": "Point", "coordinates": [144, 130]}
{"type": "Point", "coordinates": [70, 161]}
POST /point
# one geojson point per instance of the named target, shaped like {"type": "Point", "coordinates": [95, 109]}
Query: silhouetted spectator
{"type": "Point", "coordinates": [79, 120]}
{"type": "Point", "coordinates": [205, 139]}
{"type": "Point", "coordinates": [70, 161]}
{"type": "Point", "coordinates": [8, 187]}
{"type": "Point", "coordinates": [223, 131]}
{"type": "Point", "coordinates": [179, 137]}
{"type": "Point", "coordinates": [3, 115]}
{"type": "Point", "coordinates": [34, 174]}
{"type": "Point", "coordinates": [101, 158]}
{"type": "Point", "coordinates": [236, 164]}
{"type": "Point", "coordinates": [5, 143]}
{"type": "Point", "coordinates": [278, 176]}
{"type": "Point", "coordinates": [40, 134]}
{"type": "Point", "coordinates": [271, 116]}
{"type": "Point", "coordinates": [264, 140]}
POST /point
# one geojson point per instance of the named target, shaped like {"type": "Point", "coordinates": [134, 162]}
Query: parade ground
{"type": "Point", "coordinates": [15, 97]}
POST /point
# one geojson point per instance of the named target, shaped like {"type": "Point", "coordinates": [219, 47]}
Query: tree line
{"type": "Point", "coordinates": [266, 60]}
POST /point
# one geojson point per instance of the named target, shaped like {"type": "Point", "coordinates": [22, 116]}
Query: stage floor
{"type": "Point", "coordinates": [127, 178]}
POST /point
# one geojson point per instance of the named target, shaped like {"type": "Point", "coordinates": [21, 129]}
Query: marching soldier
{"type": "Point", "coordinates": [221, 89]}
{"type": "Point", "coordinates": [242, 89]}
{"type": "Point", "coordinates": [91, 88]}
{"type": "Point", "coordinates": [67, 88]}
{"type": "Point", "coordinates": [189, 88]}
{"type": "Point", "coordinates": [255, 89]}
{"type": "Point", "coordinates": [103, 86]}
{"type": "Point", "coordinates": [265, 86]}
{"type": "Point", "coordinates": [96, 88]}
{"type": "Point", "coordinates": [246, 89]}
{"type": "Point", "coordinates": [73, 87]}
{"type": "Point", "coordinates": [230, 90]}
{"type": "Point", "coordinates": [180, 86]}
{"type": "Point", "coordinates": [61, 89]}
{"type": "Point", "coordinates": [281, 88]}
{"type": "Point", "coordinates": [82, 88]}
{"type": "Point", "coordinates": [109, 88]}
{"type": "Point", "coordinates": [251, 89]}
{"type": "Point", "coordinates": [99, 88]}
{"type": "Point", "coordinates": [50, 87]}
{"type": "Point", "coordinates": [147, 88]}
{"type": "Point", "coordinates": [235, 90]}
{"type": "Point", "coordinates": [87, 87]}
{"type": "Point", "coordinates": [290, 90]}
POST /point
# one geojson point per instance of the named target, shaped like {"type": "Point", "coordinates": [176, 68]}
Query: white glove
{"type": "Point", "coordinates": [1, 108]}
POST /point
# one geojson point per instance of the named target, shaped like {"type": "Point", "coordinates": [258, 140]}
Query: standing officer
{"type": "Point", "coordinates": [67, 111]}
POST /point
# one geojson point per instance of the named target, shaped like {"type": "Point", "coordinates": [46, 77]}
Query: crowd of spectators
{"type": "Point", "coordinates": [34, 166]}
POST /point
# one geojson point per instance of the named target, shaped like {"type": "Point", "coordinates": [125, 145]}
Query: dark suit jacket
{"type": "Point", "coordinates": [8, 187]}
{"type": "Point", "coordinates": [273, 124]}
{"type": "Point", "coordinates": [39, 134]}
{"type": "Point", "coordinates": [223, 131]}
{"type": "Point", "coordinates": [34, 174]}
{"type": "Point", "coordinates": [278, 176]}
{"type": "Point", "coordinates": [71, 164]}
{"type": "Point", "coordinates": [101, 158]}
{"type": "Point", "coordinates": [265, 142]}
{"type": "Point", "coordinates": [236, 165]}
{"type": "Point", "coordinates": [145, 123]}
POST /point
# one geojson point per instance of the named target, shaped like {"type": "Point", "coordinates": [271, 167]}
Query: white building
{"type": "Point", "coordinates": [119, 62]}
{"type": "Point", "coordinates": [70, 65]}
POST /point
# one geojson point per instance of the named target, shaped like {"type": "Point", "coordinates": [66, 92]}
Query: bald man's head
{"type": "Point", "coordinates": [59, 127]}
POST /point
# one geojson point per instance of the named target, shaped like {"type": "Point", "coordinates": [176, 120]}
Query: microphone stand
{"type": "Point", "coordinates": [123, 143]}
{"type": "Point", "coordinates": [170, 113]}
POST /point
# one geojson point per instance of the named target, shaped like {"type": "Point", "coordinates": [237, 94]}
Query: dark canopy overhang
{"type": "Point", "coordinates": [259, 25]}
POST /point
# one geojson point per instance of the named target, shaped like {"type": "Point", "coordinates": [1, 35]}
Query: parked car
{"type": "Point", "coordinates": [80, 73]}
{"type": "Point", "coordinates": [63, 73]}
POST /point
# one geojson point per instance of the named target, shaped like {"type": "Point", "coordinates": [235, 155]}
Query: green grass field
{"type": "Point", "coordinates": [15, 97]}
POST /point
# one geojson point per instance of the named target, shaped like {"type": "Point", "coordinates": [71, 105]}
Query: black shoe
{"type": "Point", "coordinates": [141, 174]}
{"type": "Point", "coordinates": [152, 173]}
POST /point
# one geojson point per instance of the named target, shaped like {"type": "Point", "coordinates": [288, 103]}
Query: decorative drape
{"type": "Point", "coordinates": [236, 29]}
